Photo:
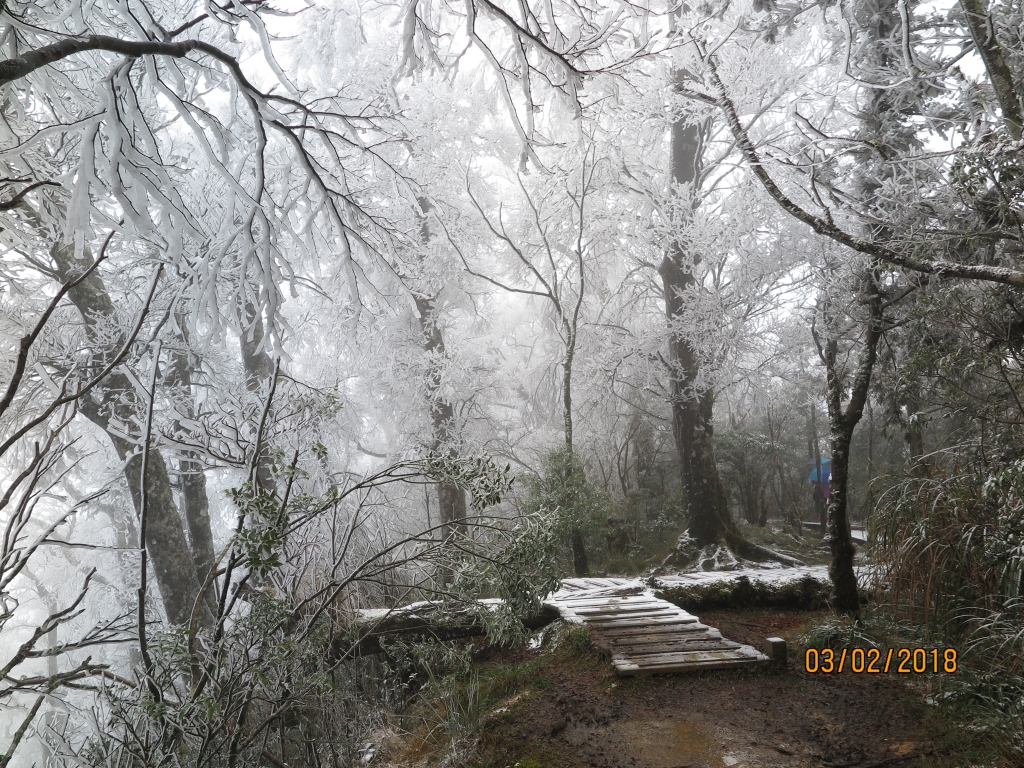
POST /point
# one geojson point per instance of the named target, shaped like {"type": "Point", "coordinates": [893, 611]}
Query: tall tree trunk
{"type": "Point", "coordinates": [692, 408]}
{"type": "Point", "coordinates": [842, 422]}
{"type": "Point", "coordinates": [195, 502]}
{"type": "Point", "coordinates": [115, 398]}
{"type": "Point", "coordinates": [706, 499]}
{"type": "Point", "coordinates": [915, 429]}
{"type": "Point", "coordinates": [451, 498]}
{"type": "Point", "coordinates": [259, 370]}
{"type": "Point", "coordinates": [580, 560]}
{"type": "Point", "coordinates": [991, 51]}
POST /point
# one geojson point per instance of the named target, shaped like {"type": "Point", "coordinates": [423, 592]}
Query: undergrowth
{"type": "Point", "coordinates": [458, 691]}
{"type": "Point", "coordinates": [807, 593]}
{"type": "Point", "coordinates": [986, 708]}
{"type": "Point", "coordinates": [951, 554]}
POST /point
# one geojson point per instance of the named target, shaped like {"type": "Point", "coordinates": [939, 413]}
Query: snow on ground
{"type": "Point", "coordinates": [776, 576]}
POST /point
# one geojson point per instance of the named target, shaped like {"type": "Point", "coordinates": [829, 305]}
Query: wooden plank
{"type": "Point", "coordinates": [618, 610]}
{"type": "Point", "coordinates": [638, 651]}
{"type": "Point", "coordinates": [641, 621]}
{"type": "Point", "coordinates": [652, 634]}
{"type": "Point", "coordinates": [691, 626]}
{"type": "Point", "coordinates": [590, 595]}
{"type": "Point", "coordinates": [660, 617]}
{"type": "Point", "coordinates": [613, 645]}
{"type": "Point", "coordinates": [681, 640]}
{"type": "Point", "coordinates": [615, 610]}
{"type": "Point", "coordinates": [606, 605]}
{"type": "Point", "coordinates": [634, 670]}
{"type": "Point", "coordinates": [586, 598]}
{"type": "Point", "coordinates": [679, 657]}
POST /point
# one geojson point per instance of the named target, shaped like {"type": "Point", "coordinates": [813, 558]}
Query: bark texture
{"type": "Point", "coordinates": [692, 410]}
{"type": "Point", "coordinates": [450, 497]}
{"type": "Point", "coordinates": [115, 400]}
{"type": "Point", "coordinates": [842, 422]}
{"type": "Point", "coordinates": [259, 370]}
{"type": "Point", "coordinates": [191, 475]}
{"type": "Point", "coordinates": [999, 72]}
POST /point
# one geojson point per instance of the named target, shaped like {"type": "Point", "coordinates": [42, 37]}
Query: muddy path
{"type": "Point", "coordinates": [574, 712]}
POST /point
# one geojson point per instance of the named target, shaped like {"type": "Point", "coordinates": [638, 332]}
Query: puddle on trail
{"type": "Point", "coordinates": [658, 744]}
{"type": "Point", "coordinates": [672, 744]}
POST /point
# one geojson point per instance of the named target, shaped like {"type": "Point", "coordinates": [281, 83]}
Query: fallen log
{"type": "Point", "coordinates": [374, 628]}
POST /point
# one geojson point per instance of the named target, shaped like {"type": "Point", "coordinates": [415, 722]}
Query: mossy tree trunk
{"type": "Point", "coordinates": [451, 498]}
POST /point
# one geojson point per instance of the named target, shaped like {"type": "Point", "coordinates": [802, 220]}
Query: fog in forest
{"type": "Point", "coordinates": [312, 308]}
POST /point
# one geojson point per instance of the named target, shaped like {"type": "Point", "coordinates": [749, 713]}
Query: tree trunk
{"type": "Point", "coordinates": [707, 501]}
{"type": "Point", "coordinates": [999, 72]}
{"type": "Point", "coordinates": [259, 370]}
{"type": "Point", "coordinates": [840, 569]}
{"type": "Point", "coordinates": [373, 629]}
{"type": "Point", "coordinates": [191, 475]}
{"type": "Point", "coordinates": [842, 423]}
{"type": "Point", "coordinates": [580, 560]}
{"type": "Point", "coordinates": [706, 498]}
{"type": "Point", "coordinates": [196, 506]}
{"type": "Point", "coordinates": [450, 497]}
{"type": "Point", "coordinates": [173, 561]}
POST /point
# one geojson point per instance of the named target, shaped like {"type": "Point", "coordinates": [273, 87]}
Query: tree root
{"type": "Point", "coordinates": [726, 554]}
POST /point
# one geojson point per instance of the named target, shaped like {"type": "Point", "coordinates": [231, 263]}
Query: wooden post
{"type": "Point", "coordinates": [775, 649]}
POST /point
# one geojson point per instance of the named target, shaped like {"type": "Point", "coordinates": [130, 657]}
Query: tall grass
{"type": "Point", "coordinates": [951, 543]}
{"type": "Point", "coordinates": [950, 546]}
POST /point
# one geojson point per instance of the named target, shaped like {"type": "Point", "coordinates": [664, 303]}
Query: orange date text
{"type": "Point", "coordinates": [873, 661]}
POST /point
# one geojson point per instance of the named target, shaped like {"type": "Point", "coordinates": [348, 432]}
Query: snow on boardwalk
{"type": "Point", "coordinates": [645, 635]}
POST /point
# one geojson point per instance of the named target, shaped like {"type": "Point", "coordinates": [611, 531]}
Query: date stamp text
{"type": "Point", "coordinates": [906, 661]}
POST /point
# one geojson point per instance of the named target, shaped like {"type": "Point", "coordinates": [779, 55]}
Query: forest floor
{"type": "Point", "coordinates": [564, 707]}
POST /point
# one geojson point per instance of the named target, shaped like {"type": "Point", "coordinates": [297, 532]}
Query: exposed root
{"type": "Point", "coordinates": [730, 553]}
{"type": "Point", "coordinates": [757, 553]}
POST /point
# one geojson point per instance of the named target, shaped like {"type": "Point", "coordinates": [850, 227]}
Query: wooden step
{"type": "Point", "coordinates": [624, 650]}
{"type": "Point", "coordinates": [624, 610]}
{"type": "Point", "coordinates": [686, 662]}
{"type": "Point", "coordinates": [655, 634]}
{"type": "Point", "coordinates": [647, 636]}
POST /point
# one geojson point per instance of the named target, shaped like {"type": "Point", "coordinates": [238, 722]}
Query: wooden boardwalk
{"type": "Point", "coordinates": [645, 635]}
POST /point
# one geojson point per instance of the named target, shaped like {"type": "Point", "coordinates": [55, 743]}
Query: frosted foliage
{"type": "Point", "coordinates": [213, 163]}
{"type": "Point", "coordinates": [358, 266]}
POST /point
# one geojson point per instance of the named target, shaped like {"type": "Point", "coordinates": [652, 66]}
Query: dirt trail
{"type": "Point", "coordinates": [586, 716]}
